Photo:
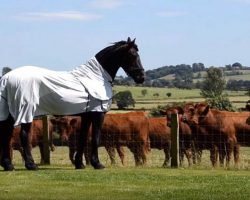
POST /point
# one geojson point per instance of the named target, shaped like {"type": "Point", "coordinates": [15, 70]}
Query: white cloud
{"type": "Point", "coordinates": [64, 15]}
{"type": "Point", "coordinates": [171, 13]}
{"type": "Point", "coordinates": [106, 4]}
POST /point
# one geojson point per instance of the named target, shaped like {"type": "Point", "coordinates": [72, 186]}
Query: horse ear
{"type": "Point", "coordinates": [132, 42]}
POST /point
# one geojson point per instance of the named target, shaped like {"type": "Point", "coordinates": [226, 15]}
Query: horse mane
{"type": "Point", "coordinates": [115, 46]}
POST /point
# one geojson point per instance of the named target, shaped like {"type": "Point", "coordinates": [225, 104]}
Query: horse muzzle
{"type": "Point", "coordinates": [139, 79]}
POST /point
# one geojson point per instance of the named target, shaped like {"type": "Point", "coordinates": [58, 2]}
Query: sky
{"type": "Point", "coordinates": [62, 34]}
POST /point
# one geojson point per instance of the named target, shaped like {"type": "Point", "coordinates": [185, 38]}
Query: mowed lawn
{"type": "Point", "coordinates": [61, 181]}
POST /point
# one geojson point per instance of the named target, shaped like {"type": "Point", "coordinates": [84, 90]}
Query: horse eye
{"type": "Point", "coordinates": [132, 53]}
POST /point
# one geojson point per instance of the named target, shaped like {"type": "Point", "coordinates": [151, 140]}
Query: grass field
{"type": "Point", "coordinates": [149, 101]}
{"type": "Point", "coordinates": [60, 181]}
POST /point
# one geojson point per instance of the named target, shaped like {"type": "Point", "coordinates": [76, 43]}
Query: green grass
{"type": "Point", "coordinates": [149, 101]}
{"type": "Point", "coordinates": [175, 93]}
{"type": "Point", "coordinates": [130, 184]}
{"type": "Point", "coordinates": [61, 181]}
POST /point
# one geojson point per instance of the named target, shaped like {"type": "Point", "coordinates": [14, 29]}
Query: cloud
{"type": "Point", "coordinates": [106, 4]}
{"type": "Point", "coordinates": [171, 13]}
{"type": "Point", "coordinates": [64, 15]}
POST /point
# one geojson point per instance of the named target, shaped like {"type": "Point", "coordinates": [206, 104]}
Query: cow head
{"type": "Point", "coordinates": [248, 120]}
{"type": "Point", "coordinates": [195, 115]}
{"type": "Point", "coordinates": [62, 127]}
{"type": "Point", "coordinates": [173, 110]}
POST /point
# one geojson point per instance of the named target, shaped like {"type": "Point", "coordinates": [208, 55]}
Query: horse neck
{"type": "Point", "coordinates": [110, 62]}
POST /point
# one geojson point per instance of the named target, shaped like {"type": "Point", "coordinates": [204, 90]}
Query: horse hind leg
{"type": "Point", "coordinates": [6, 128]}
{"type": "Point", "coordinates": [25, 141]}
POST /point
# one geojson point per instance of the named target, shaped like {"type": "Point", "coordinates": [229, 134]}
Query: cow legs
{"type": "Point", "coordinates": [236, 155]}
{"type": "Point", "coordinates": [25, 141]}
{"type": "Point", "coordinates": [167, 156]}
{"type": "Point", "coordinates": [6, 128]}
{"type": "Point", "coordinates": [41, 153]}
{"type": "Point", "coordinates": [111, 153]}
{"type": "Point", "coordinates": [121, 154]}
{"type": "Point", "coordinates": [97, 120]}
{"type": "Point", "coordinates": [214, 155]}
{"type": "Point", "coordinates": [222, 153]}
{"type": "Point", "coordinates": [230, 147]}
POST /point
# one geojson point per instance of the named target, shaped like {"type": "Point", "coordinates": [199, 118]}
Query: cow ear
{"type": "Point", "coordinates": [163, 112]}
{"type": "Point", "coordinates": [53, 121]}
{"type": "Point", "coordinates": [73, 122]}
{"type": "Point", "coordinates": [180, 110]}
{"type": "Point", "coordinates": [204, 113]}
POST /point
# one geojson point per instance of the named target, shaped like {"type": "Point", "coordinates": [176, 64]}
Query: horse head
{"type": "Point", "coordinates": [122, 54]}
{"type": "Point", "coordinates": [131, 62]}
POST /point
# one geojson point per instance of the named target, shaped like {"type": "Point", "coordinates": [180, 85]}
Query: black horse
{"type": "Point", "coordinates": [43, 99]}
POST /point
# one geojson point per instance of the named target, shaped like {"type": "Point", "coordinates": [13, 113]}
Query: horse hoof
{"type": "Point", "coordinates": [9, 168]}
{"type": "Point", "coordinates": [7, 165]}
{"type": "Point", "coordinates": [98, 165]}
{"type": "Point", "coordinates": [31, 166]}
{"type": "Point", "coordinates": [80, 166]}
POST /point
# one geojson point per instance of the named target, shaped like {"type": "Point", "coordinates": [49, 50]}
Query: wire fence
{"type": "Point", "coordinates": [159, 151]}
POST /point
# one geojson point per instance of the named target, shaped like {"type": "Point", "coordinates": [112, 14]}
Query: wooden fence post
{"type": "Point", "coordinates": [174, 141]}
{"type": "Point", "coordinates": [46, 138]}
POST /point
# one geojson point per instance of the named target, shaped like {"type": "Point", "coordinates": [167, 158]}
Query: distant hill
{"type": "Point", "coordinates": [185, 76]}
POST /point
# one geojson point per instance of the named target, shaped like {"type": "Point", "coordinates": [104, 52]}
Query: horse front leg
{"type": "Point", "coordinates": [25, 141]}
{"type": "Point", "coordinates": [82, 139]}
{"type": "Point", "coordinates": [97, 121]}
{"type": "Point", "coordinates": [6, 128]}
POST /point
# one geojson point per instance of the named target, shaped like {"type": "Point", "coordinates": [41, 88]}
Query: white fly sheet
{"type": "Point", "coordinates": [31, 91]}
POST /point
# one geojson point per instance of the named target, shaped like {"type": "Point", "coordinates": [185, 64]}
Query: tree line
{"type": "Point", "coordinates": [188, 76]}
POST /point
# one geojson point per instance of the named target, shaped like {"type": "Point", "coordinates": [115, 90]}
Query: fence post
{"type": "Point", "coordinates": [46, 138]}
{"type": "Point", "coordinates": [174, 141]}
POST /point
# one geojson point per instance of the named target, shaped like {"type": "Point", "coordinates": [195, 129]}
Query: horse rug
{"type": "Point", "coordinates": [30, 91]}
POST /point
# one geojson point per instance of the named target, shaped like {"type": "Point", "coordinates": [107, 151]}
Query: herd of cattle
{"type": "Point", "coordinates": [200, 128]}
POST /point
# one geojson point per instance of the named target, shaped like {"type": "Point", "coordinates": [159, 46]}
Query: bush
{"type": "Point", "coordinates": [124, 99]}
{"type": "Point", "coordinates": [221, 102]}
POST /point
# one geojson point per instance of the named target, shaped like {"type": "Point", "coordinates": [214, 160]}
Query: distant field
{"type": "Point", "coordinates": [150, 101]}
{"type": "Point", "coordinates": [244, 76]}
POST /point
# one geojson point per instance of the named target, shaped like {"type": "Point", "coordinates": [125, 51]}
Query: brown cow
{"type": "Point", "coordinates": [227, 129]}
{"type": "Point", "coordinates": [69, 129]}
{"type": "Point", "coordinates": [36, 138]}
{"type": "Point", "coordinates": [160, 138]}
{"type": "Point", "coordinates": [204, 138]}
{"type": "Point", "coordinates": [126, 129]}
{"type": "Point", "coordinates": [248, 120]}
{"type": "Point", "coordinates": [185, 134]}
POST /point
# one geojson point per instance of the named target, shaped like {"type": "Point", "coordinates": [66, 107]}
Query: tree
{"type": "Point", "coordinates": [214, 83]}
{"type": "Point", "coordinates": [237, 65]}
{"type": "Point", "coordinates": [212, 90]}
{"type": "Point", "coordinates": [168, 94]}
{"type": "Point", "coordinates": [156, 94]}
{"type": "Point", "coordinates": [124, 99]}
{"type": "Point", "coordinates": [248, 92]}
{"type": "Point", "coordinates": [144, 92]}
